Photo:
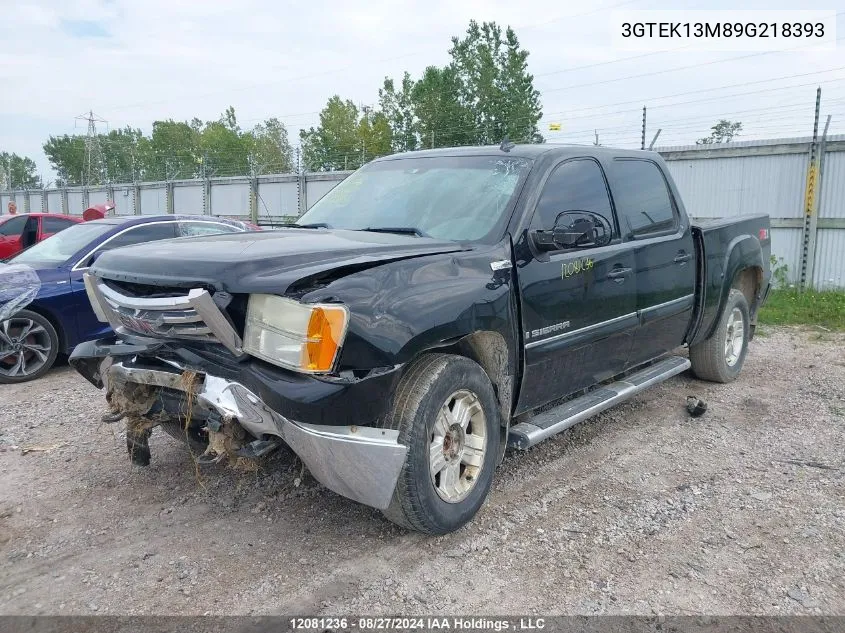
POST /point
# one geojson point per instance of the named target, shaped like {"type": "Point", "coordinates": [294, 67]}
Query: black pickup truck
{"type": "Point", "coordinates": [433, 309]}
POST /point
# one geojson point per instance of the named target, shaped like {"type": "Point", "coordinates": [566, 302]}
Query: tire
{"type": "Point", "coordinates": [29, 345]}
{"type": "Point", "coordinates": [193, 438]}
{"type": "Point", "coordinates": [713, 359]}
{"type": "Point", "coordinates": [437, 496]}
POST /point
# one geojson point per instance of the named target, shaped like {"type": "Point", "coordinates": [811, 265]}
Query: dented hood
{"type": "Point", "coordinates": [268, 261]}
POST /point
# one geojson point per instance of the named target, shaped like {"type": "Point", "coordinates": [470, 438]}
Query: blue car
{"type": "Point", "coordinates": [44, 309]}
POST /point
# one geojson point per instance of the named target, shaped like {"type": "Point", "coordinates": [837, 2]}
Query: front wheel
{"type": "Point", "coordinates": [720, 357]}
{"type": "Point", "coordinates": [28, 347]}
{"type": "Point", "coordinates": [446, 414]}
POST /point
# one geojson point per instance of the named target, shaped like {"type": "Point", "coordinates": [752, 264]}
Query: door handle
{"type": "Point", "coordinates": [682, 258]}
{"type": "Point", "coordinates": [618, 274]}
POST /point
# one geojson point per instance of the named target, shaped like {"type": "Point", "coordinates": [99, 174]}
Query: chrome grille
{"type": "Point", "coordinates": [193, 316]}
{"type": "Point", "coordinates": [161, 316]}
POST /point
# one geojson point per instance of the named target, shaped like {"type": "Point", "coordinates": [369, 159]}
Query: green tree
{"type": "Point", "coordinates": [484, 94]}
{"type": "Point", "coordinates": [398, 108]}
{"type": "Point", "coordinates": [172, 151]}
{"type": "Point", "coordinates": [334, 144]}
{"type": "Point", "coordinates": [18, 172]}
{"type": "Point", "coordinates": [225, 150]}
{"type": "Point", "coordinates": [271, 152]}
{"type": "Point", "coordinates": [723, 132]}
{"type": "Point", "coordinates": [67, 157]}
{"type": "Point", "coordinates": [374, 135]}
{"type": "Point", "coordinates": [119, 149]}
{"type": "Point", "coordinates": [494, 83]}
{"type": "Point", "coordinates": [441, 120]}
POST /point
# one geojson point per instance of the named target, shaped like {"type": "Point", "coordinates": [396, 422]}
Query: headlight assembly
{"type": "Point", "coordinates": [302, 337]}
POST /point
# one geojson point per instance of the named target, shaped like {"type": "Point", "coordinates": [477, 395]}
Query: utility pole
{"type": "Point", "coordinates": [93, 152]}
{"type": "Point", "coordinates": [642, 142]}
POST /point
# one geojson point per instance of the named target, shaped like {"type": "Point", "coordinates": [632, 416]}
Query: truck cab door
{"type": "Point", "coordinates": [664, 256]}
{"type": "Point", "coordinates": [578, 305]}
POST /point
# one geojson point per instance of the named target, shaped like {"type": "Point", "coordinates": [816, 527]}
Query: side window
{"type": "Point", "coordinates": [13, 227]}
{"type": "Point", "coordinates": [54, 225]}
{"type": "Point", "coordinates": [143, 233]}
{"type": "Point", "coordinates": [577, 185]}
{"type": "Point", "coordinates": [187, 229]}
{"type": "Point", "coordinates": [642, 197]}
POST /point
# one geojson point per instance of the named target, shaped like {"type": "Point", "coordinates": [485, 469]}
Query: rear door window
{"type": "Point", "coordinates": [642, 198]}
{"type": "Point", "coordinates": [143, 233]}
{"type": "Point", "coordinates": [54, 225]}
{"type": "Point", "coordinates": [187, 229]}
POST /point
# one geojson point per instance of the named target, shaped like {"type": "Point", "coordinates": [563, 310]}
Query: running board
{"type": "Point", "coordinates": [570, 413]}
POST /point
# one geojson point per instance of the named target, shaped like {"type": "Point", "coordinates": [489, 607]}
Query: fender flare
{"type": "Point", "coordinates": [742, 252]}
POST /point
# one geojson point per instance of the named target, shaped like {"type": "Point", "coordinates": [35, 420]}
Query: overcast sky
{"type": "Point", "coordinates": [133, 62]}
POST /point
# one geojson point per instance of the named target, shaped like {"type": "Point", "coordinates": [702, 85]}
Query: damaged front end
{"type": "Point", "coordinates": [236, 410]}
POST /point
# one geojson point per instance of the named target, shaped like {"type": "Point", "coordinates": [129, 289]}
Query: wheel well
{"type": "Point", "coordinates": [749, 281]}
{"type": "Point", "coordinates": [53, 321]}
{"type": "Point", "coordinates": [489, 350]}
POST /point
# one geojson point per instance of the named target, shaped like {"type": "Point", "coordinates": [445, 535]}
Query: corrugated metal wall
{"type": "Point", "coordinates": [54, 202]}
{"type": "Point", "coordinates": [278, 199]}
{"type": "Point", "coordinates": [832, 195]}
{"type": "Point", "coordinates": [153, 200]}
{"type": "Point", "coordinates": [98, 196]}
{"type": "Point", "coordinates": [230, 199]}
{"type": "Point", "coordinates": [188, 199]}
{"type": "Point", "coordinates": [742, 185]}
{"type": "Point", "coordinates": [829, 271]}
{"type": "Point", "coordinates": [123, 200]}
{"type": "Point", "coordinates": [74, 202]}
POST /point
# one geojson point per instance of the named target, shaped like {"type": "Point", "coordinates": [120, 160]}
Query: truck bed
{"type": "Point", "coordinates": [730, 244]}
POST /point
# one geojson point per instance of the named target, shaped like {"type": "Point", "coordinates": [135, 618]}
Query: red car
{"type": "Point", "coordinates": [21, 231]}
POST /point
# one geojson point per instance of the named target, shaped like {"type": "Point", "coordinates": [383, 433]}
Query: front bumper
{"type": "Point", "coordinates": [361, 463]}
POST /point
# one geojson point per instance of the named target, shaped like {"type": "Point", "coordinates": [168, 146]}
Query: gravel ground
{"type": "Point", "coordinates": [641, 510]}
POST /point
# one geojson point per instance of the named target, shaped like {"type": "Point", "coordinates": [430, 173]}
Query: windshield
{"type": "Point", "coordinates": [462, 198]}
{"type": "Point", "coordinates": [61, 246]}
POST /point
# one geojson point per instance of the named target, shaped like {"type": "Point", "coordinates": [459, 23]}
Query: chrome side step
{"type": "Point", "coordinates": [570, 413]}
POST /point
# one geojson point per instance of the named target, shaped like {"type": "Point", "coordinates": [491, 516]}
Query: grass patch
{"type": "Point", "coordinates": [788, 306]}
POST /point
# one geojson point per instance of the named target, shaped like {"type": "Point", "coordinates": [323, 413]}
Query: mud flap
{"type": "Point", "coordinates": [93, 358]}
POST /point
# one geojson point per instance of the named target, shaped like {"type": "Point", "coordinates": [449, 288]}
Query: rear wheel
{"type": "Point", "coordinates": [720, 357]}
{"type": "Point", "coordinates": [29, 345]}
{"type": "Point", "coordinates": [446, 414]}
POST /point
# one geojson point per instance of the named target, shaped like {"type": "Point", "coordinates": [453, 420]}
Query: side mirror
{"type": "Point", "coordinates": [575, 229]}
